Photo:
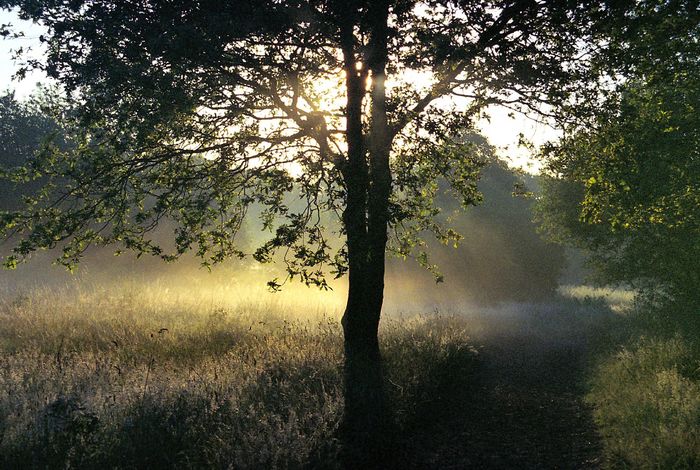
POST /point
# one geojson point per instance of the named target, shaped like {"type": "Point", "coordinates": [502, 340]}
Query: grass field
{"type": "Point", "coordinates": [159, 376]}
{"type": "Point", "coordinates": [190, 374]}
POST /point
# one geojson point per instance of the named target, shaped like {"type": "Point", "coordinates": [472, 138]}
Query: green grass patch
{"type": "Point", "coordinates": [646, 392]}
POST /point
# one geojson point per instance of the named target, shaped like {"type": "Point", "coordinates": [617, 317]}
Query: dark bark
{"type": "Point", "coordinates": [366, 420]}
{"type": "Point", "coordinates": [379, 149]}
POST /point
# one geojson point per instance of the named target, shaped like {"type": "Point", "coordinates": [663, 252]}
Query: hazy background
{"type": "Point", "coordinates": [501, 258]}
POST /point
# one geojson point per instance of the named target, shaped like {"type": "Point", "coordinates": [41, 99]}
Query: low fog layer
{"type": "Point", "coordinates": [501, 259]}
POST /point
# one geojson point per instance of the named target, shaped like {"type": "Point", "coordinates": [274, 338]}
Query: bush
{"type": "Point", "coordinates": [647, 396]}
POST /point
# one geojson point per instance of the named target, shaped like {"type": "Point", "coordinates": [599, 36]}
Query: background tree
{"type": "Point", "coordinates": [24, 125]}
{"type": "Point", "coordinates": [500, 257]}
{"type": "Point", "coordinates": [193, 111]}
{"type": "Point", "coordinates": [627, 179]}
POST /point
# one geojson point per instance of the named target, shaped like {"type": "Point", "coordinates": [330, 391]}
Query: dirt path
{"type": "Point", "coordinates": [521, 408]}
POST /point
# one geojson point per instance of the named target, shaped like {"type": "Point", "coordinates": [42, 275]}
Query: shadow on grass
{"type": "Point", "coordinates": [273, 398]}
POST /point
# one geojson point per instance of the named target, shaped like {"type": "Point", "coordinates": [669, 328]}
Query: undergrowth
{"type": "Point", "coordinates": [645, 390]}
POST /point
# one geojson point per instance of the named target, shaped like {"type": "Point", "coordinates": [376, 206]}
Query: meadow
{"type": "Point", "coordinates": [158, 376]}
{"type": "Point", "coordinates": [185, 373]}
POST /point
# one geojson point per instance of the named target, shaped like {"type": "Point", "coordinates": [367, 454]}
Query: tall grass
{"type": "Point", "coordinates": [645, 389]}
{"type": "Point", "coordinates": [194, 374]}
{"type": "Point", "coordinates": [156, 376]}
{"type": "Point", "coordinates": [123, 380]}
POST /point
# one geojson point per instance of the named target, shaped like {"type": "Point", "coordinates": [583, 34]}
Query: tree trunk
{"type": "Point", "coordinates": [367, 421]}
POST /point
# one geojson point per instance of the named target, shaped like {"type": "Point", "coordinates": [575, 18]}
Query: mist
{"type": "Point", "coordinates": [501, 260]}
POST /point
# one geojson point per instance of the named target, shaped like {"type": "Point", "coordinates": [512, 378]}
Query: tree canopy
{"type": "Point", "coordinates": [24, 125]}
{"type": "Point", "coordinates": [629, 178]}
{"type": "Point", "coordinates": [194, 110]}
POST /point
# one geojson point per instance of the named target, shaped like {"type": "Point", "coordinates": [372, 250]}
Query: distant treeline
{"type": "Point", "coordinates": [502, 256]}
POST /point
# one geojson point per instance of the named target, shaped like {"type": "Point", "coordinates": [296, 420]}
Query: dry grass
{"type": "Point", "coordinates": [218, 374]}
{"type": "Point", "coordinates": [619, 300]}
{"type": "Point", "coordinates": [155, 375]}
{"type": "Point", "coordinates": [135, 377]}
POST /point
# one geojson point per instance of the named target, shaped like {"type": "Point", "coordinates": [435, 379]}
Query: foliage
{"type": "Point", "coordinates": [500, 256]}
{"type": "Point", "coordinates": [492, 235]}
{"type": "Point", "coordinates": [626, 179]}
{"type": "Point", "coordinates": [192, 112]}
{"type": "Point", "coordinates": [24, 125]}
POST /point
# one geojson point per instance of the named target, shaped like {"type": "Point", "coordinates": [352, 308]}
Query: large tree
{"type": "Point", "coordinates": [626, 179]}
{"type": "Point", "coordinates": [195, 110]}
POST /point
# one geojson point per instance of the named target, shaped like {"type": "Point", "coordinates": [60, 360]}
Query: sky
{"type": "Point", "coordinates": [7, 66]}
{"type": "Point", "coordinates": [502, 131]}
